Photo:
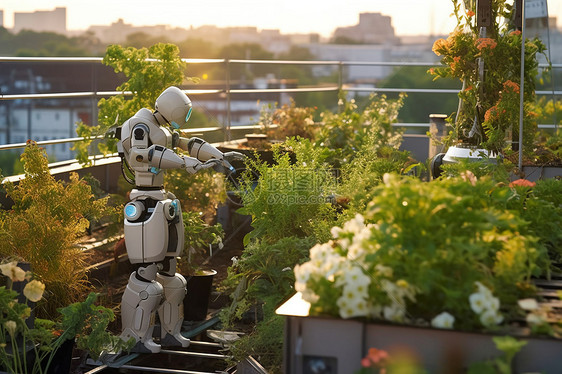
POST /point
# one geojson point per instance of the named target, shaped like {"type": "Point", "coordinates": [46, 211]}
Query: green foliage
{"type": "Point", "coordinates": [25, 349]}
{"type": "Point", "coordinates": [288, 121]}
{"type": "Point", "coordinates": [291, 196]}
{"type": "Point", "coordinates": [200, 192]}
{"type": "Point", "coordinates": [198, 237]}
{"type": "Point", "coordinates": [44, 224]}
{"type": "Point", "coordinates": [29, 43]}
{"type": "Point", "coordinates": [498, 171]}
{"type": "Point", "coordinates": [408, 255]}
{"type": "Point", "coordinates": [262, 278]}
{"type": "Point", "coordinates": [424, 228]}
{"type": "Point", "coordinates": [88, 322]}
{"type": "Point", "coordinates": [10, 163]}
{"type": "Point", "coordinates": [149, 72]}
{"type": "Point", "coordinates": [360, 177]}
{"type": "Point", "coordinates": [541, 206]}
{"type": "Point", "coordinates": [345, 132]}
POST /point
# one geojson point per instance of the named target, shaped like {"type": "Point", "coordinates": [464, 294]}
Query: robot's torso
{"type": "Point", "coordinates": [153, 221]}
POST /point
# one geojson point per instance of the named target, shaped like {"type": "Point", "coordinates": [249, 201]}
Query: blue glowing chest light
{"type": "Point", "coordinates": [130, 211]}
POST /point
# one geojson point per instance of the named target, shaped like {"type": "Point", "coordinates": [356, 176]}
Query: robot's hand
{"type": "Point", "coordinates": [224, 167]}
{"type": "Point", "coordinates": [233, 156]}
{"type": "Point", "coordinates": [193, 165]}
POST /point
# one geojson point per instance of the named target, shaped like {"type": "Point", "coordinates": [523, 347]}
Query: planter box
{"type": "Point", "coordinates": [339, 345]}
{"type": "Point", "coordinates": [534, 173]}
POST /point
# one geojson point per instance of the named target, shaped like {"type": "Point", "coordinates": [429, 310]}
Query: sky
{"type": "Point", "coordinates": [409, 17]}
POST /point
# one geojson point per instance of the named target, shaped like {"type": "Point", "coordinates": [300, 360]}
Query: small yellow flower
{"type": "Point", "coordinates": [34, 290]}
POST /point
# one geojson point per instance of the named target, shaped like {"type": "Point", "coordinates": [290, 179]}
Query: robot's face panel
{"type": "Point", "coordinates": [176, 125]}
{"type": "Point", "coordinates": [174, 106]}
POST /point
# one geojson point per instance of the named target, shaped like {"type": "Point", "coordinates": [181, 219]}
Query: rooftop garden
{"type": "Point", "coordinates": [340, 216]}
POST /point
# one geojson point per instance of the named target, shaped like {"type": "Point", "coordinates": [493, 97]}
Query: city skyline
{"type": "Point", "coordinates": [290, 16]}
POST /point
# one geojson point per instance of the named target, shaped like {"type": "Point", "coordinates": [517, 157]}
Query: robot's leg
{"type": "Point", "coordinates": [138, 306]}
{"type": "Point", "coordinates": [171, 309]}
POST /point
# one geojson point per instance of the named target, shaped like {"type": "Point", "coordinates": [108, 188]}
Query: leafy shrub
{"type": "Point", "coordinates": [44, 224]}
{"type": "Point", "coordinates": [291, 196]}
{"type": "Point", "coordinates": [427, 248]}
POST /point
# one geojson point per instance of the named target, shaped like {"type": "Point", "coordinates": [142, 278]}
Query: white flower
{"type": "Point", "coordinates": [34, 290]}
{"type": "Point", "coordinates": [483, 289]}
{"type": "Point", "coordinates": [354, 277]}
{"type": "Point", "coordinates": [443, 321]}
{"type": "Point", "coordinates": [386, 178]}
{"type": "Point", "coordinates": [383, 271]}
{"type": "Point", "coordinates": [352, 307]}
{"type": "Point", "coordinates": [335, 231]}
{"type": "Point", "coordinates": [528, 304]}
{"type": "Point", "coordinates": [535, 319]}
{"type": "Point", "coordinates": [395, 312]}
{"type": "Point", "coordinates": [310, 296]}
{"type": "Point", "coordinates": [355, 224]}
{"type": "Point", "coordinates": [13, 271]}
{"type": "Point", "coordinates": [477, 302]}
{"type": "Point", "coordinates": [10, 326]}
{"type": "Point", "coordinates": [491, 318]}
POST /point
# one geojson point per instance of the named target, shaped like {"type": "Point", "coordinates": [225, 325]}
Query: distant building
{"type": "Point", "coordinates": [373, 28]}
{"type": "Point", "coordinates": [369, 53]}
{"type": "Point", "coordinates": [118, 32]}
{"type": "Point", "coordinates": [41, 20]}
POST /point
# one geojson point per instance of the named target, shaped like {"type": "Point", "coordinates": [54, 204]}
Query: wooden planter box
{"type": "Point", "coordinates": [338, 345]}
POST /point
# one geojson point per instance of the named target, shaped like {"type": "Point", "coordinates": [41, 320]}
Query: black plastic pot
{"type": "Point", "coordinates": [196, 302]}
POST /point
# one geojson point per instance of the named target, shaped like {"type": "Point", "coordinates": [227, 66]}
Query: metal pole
{"type": "Point", "coordinates": [227, 128]}
{"type": "Point", "coordinates": [521, 86]}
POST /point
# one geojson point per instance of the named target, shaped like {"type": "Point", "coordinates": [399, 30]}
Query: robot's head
{"type": "Point", "coordinates": [174, 106]}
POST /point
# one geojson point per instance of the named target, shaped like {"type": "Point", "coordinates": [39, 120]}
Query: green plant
{"type": "Point", "coordinates": [345, 132]}
{"type": "Point", "coordinates": [291, 196]}
{"type": "Point", "coordinates": [288, 121]}
{"type": "Point", "coordinates": [400, 262]}
{"type": "Point", "coordinates": [260, 280]}
{"type": "Point", "coordinates": [149, 72]}
{"type": "Point", "coordinates": [489, 97]}
{"type": "Point", "coordinates": [360, 177]}
{"type": "Point", "coordinates": [201, 192]}
{"type": "Point", "coordinates": [25, 349]}
{"type": "Point", "coordinates": [540, 204]}
{"type": "Point", "coordinates": [43, 226]}
{"type": "Point", "coordinates": [198, 237]}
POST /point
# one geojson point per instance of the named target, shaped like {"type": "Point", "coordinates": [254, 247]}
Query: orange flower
{"type": "Point", "coordinates": [522, 183]}
{"type": "Point", "coordinates": [516, 32]}
{"type": "Point", "coordinates": [439, 44]}
{"type": "Point", "coordinates": [490, 113]}
{"type": "Point", "coordinates": [470, 13]}
{"type": "Point", "coordinates": [511, 86]}
{"type": "Point", "coordinates": [482, 43]}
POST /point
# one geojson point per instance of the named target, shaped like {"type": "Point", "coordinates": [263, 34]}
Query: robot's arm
{"type": "Point", "coordinates": [201, 150]}
{"type": "Point", "coordinates": [157, 157]}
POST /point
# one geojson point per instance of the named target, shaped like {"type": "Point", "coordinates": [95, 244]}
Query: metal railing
{"type": "Point", "coordinates": [228, 90]}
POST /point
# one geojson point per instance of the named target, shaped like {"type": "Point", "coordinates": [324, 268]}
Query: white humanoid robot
{"type": "Point", "coordinates": [154, 232]}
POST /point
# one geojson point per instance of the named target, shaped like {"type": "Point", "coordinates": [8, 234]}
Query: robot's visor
{"type": "Point", "coordinates": [176, 126]}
